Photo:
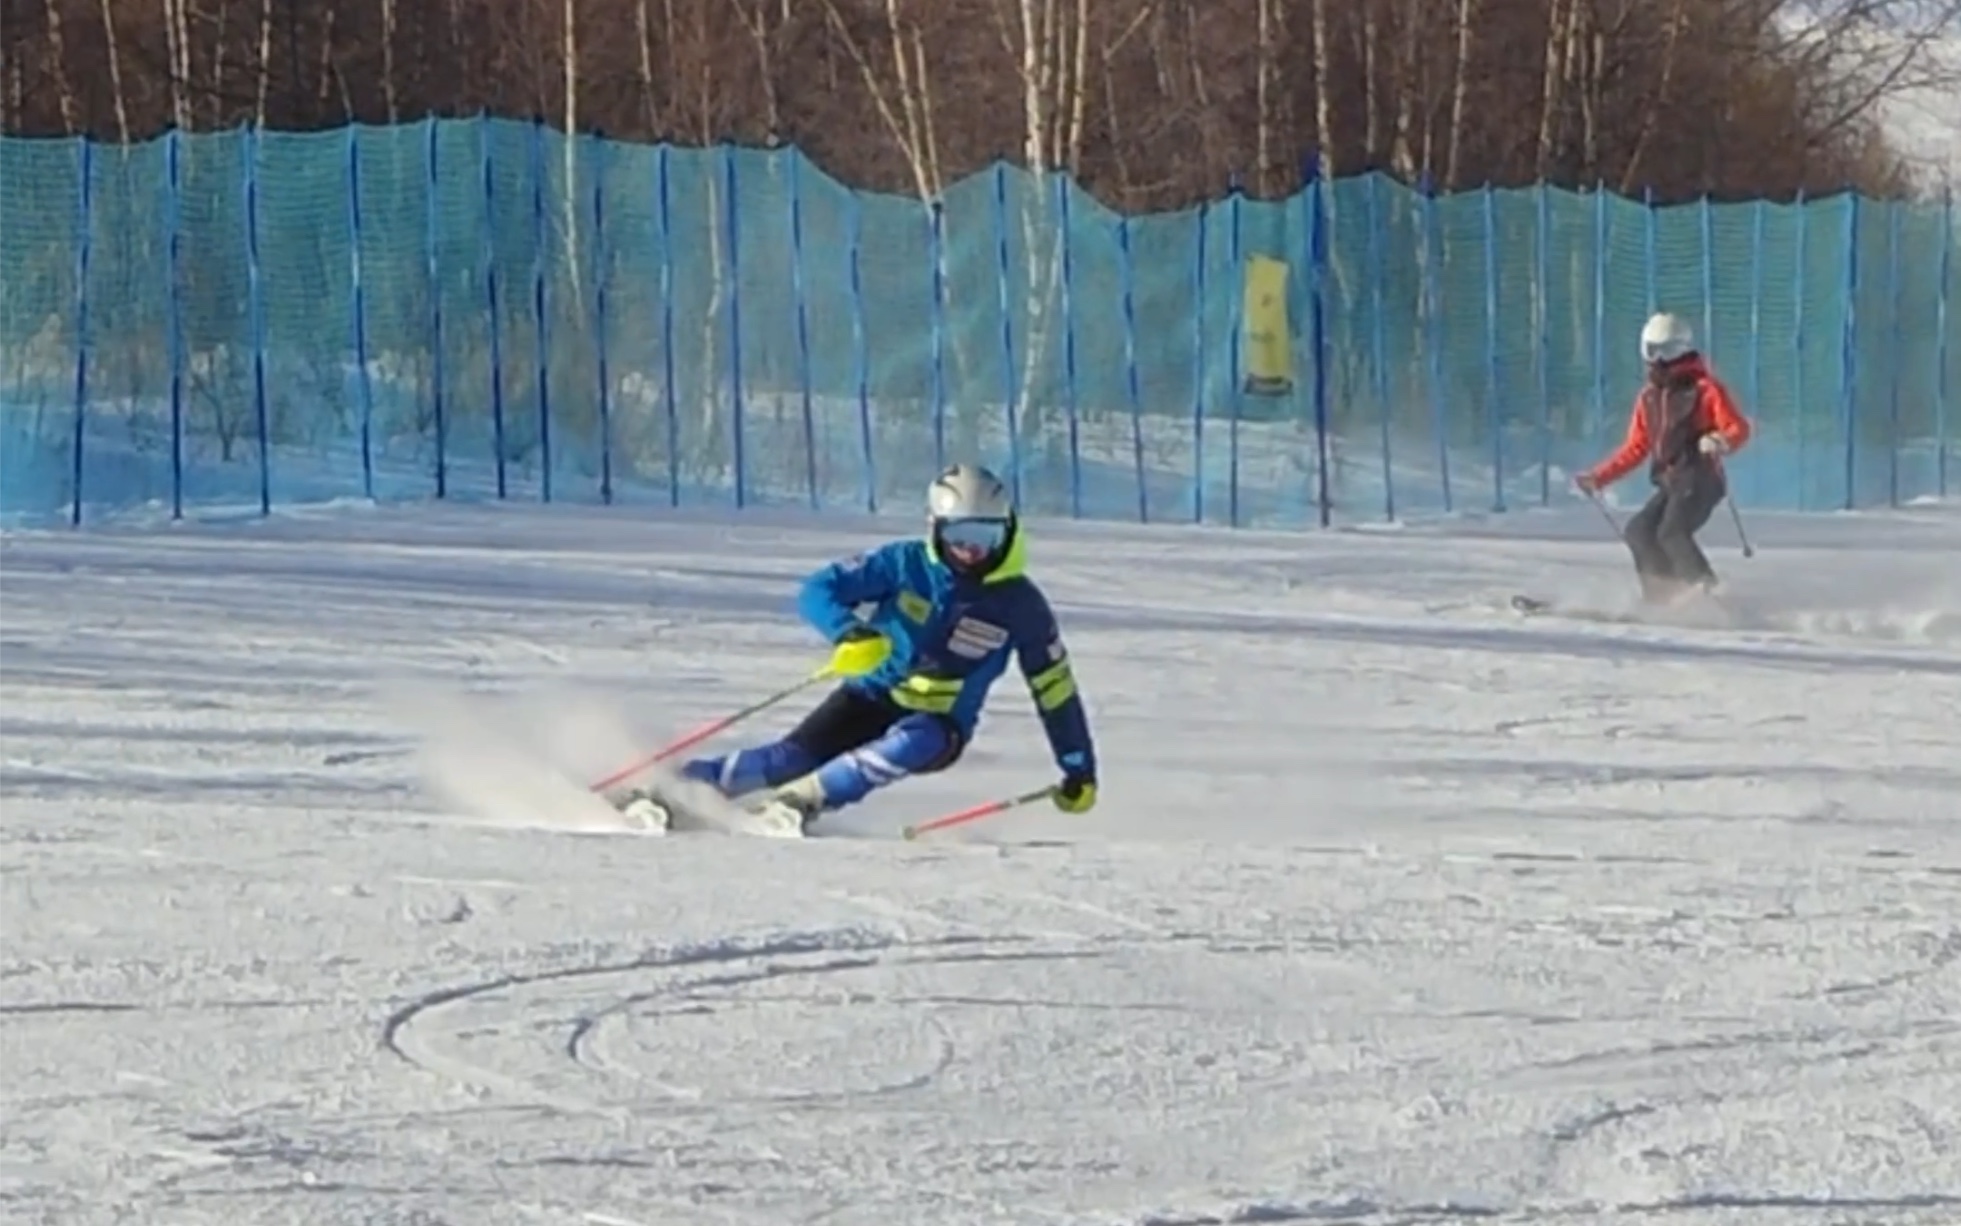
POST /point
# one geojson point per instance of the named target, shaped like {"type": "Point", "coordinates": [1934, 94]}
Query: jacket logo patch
{"type": "Point", "coordinates": [915, 606]}
{"type": "Point", "coordinates": [974, 639]}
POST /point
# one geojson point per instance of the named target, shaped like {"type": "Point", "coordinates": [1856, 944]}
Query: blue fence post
{"type": "Point", "coordinates": [1849, 343]}
{"type": "Point", "coordinates": [357, 320]}
{"type": "Point", "coordinates": [85, 208]}
{"type": "Point", "coordinates": [491, 293]}
{"type": "Point", "coordinates": [1707, 217]}
{"type": "Point", "coordinates": [1317, 253]}
{"type": "Point", "coordinates": [1494, 412]}
{"type": "Point", "coordinates": [1799, 384]}
{"type": "Point", "coordinates": [936, 239]}
{"type": "Point", "coordinates": [255, 274]}
{"type": "Point", "coordinates": [1238, 305]}
{"type": "Point", "coordinates": [1896, 335]}
{"type": "Point", "coordinates": [1650, 254]}
{"type": "Point", "coordinates": [663, 193]}
{"type": "Point", "coordinates": [432, 248]}
{"type": "Point", "coordinates": [860, 348]}
{"type": "Point", "coordinates": [602, 268]}
{"type": "Point", "coordinates": [1758, 212]}
{"type": "Point", "coordinates": [795, 158]}
{"type": "Point", "coordinates": [1433, 332]}
{"type": "Point", "coordinates": [539, 318]}
{"type": "Point", "coordinates": [1942, 390]}
{"type": "Point", "coordinates": [1377, 278]}
{"type": "Point", "coordinates": [1132, 380]}
{"type": "Point", "coordinates": [1542, 294]}
{"type": "Point", "coordinates": [1198, 363]}
{"type": "Point", "coordinates": [1069, 342]}
{"type": "Point", "coordinates": [1007, 330]}
{"type": "Point", "coordinates": [1597, 403]}
{"type": "Point", "coordinates": [731, 215]}
{"type": "Point", "coordinates": [174, 249]}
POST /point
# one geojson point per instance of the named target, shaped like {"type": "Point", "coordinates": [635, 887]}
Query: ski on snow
{"type": "Point", "coordinates": [1535, 606]}
{"type": "Point", "coordinates": [670, 805]}
{"type": "Point", "coordinates": [1710, 612]}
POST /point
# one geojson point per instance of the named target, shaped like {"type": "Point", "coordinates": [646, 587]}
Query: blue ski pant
{"type": "Point", "coordinates": [856, 742]}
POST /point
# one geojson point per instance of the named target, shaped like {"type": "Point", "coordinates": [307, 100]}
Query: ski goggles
{"type": "Point", "coordinates": [1658, 354]}
{"type": "Point", "coordinates": [972, 536]}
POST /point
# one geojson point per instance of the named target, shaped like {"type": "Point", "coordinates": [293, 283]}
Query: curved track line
{"type": "Point", "coordinates": [398, 1031]}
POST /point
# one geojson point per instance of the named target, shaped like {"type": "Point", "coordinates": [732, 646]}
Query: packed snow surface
{"type": "Point", "coordinates": [1397, 907]}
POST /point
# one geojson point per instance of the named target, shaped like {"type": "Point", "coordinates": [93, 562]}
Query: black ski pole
{"type": "Point", "coordinates": [1741, 535]}
{"type": "Point", "coordinates": [1593, 496]}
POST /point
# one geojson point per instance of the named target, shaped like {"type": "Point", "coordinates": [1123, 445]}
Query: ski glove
{"type": "Point", "coordinates": [1075, 794]}
{"type": "Point", "coordinates": [1714, 444]}
{"type": "Point", "coordinates": [859, 651]}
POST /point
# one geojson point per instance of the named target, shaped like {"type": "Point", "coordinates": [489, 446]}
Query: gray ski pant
{"type": "Point", "coordinates": [1661, 534]}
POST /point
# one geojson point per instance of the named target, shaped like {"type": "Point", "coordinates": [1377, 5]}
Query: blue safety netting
{"type": "Point", "coordinates": [485, 308]}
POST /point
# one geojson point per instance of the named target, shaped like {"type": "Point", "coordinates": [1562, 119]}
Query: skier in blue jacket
{"type": "Point", "coordinates": [946, 614]}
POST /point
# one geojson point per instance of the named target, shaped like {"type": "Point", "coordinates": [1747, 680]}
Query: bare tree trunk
{"type": "Point", "coordinates": [1324, 89]}
{"type": "Point", "coordinates": [1552, 99]}
{"type": "Point", "coordinates": [71, 121]}
{"type": "Point", "coordinates": [16, 107]}
{"type": "Point", "coordinates": [177, 43]}
{"type": "Point", "coordinates": [762, 33]}
{"type": "Point", "coordinates": [265, 62]}
{"type": "Point", "coordinates": [1657, 99]}
{"type": "Point", "coordinates": [674, 75]}
{"type": "Point", "coordinates": [1048, 41]}
{"type": "Point", "coordinates": [1411, 90]}
{"type": "Point", "coordinates": [644, 28]}
{"type": "Point", "coordinates": [1371, 34]}
{"type": "Point", "coordinates": [116, 71]}
{"type": "Point", "coordinates": [1035, 43]}
{"type": "Point", "coordinates": [691, 67]}
{"type": "Point", "coordinates": [906, 109]}
{"type": "Point", "coordinates": [390, 96]}
{"type": "Point", "coordinates": [1593, 100]}
{"type": "Point", "coordinates": [332, 82]}
{"type": "Point", "coordinates": [1467, 16]}
{"type": "Point", "coordinates": [1268, 96]}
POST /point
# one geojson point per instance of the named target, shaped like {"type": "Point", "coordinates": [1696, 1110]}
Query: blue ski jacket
{"type": "Point", "coordinates": [952, 635]}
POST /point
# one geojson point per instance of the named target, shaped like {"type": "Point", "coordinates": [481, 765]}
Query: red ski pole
{"type": "Point", "coordinates": [979, 811]}
{"type": "Point", "coordinates": [709, 729]}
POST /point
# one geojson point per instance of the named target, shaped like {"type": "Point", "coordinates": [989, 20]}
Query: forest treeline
{"type": "Point", "coordinates": [1151, 104]}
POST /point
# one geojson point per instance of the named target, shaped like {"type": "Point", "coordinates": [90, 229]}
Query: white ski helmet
{"type": "Point", "coordinates": [970, 518]}
{"type": "Point", "coordinates": [1666, 338]}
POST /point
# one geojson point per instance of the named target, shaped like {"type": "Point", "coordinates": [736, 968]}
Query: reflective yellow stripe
{"type": "Point", "coordinates": [932, 695]}
{"type": "Point", "coordinates": [1053, 686]}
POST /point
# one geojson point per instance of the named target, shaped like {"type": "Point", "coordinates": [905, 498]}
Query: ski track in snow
{"type": "Point", "coordinates": [1397, 908]}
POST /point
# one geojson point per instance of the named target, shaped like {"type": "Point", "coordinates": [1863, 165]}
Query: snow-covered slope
{"type": "Point", "coordinates": [1396, 909]}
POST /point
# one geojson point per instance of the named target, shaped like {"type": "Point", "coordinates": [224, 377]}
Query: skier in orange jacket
{"type": "Point", "coordinates": [1684, 422]}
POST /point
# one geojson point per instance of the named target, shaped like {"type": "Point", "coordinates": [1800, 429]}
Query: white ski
{"type": "Point", "coordinates": [1534, 606]}
{"type": "Point", "coordinates": [667, 804]}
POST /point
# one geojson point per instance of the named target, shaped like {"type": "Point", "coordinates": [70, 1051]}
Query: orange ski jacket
{"type": "Point", "coordinates": [1669, 420]}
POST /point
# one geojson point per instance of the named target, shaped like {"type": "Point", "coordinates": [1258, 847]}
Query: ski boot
{"type": "Point", "coordinates": [789, 811]}
{"type": "Point", "coordinates": [643, 809]}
